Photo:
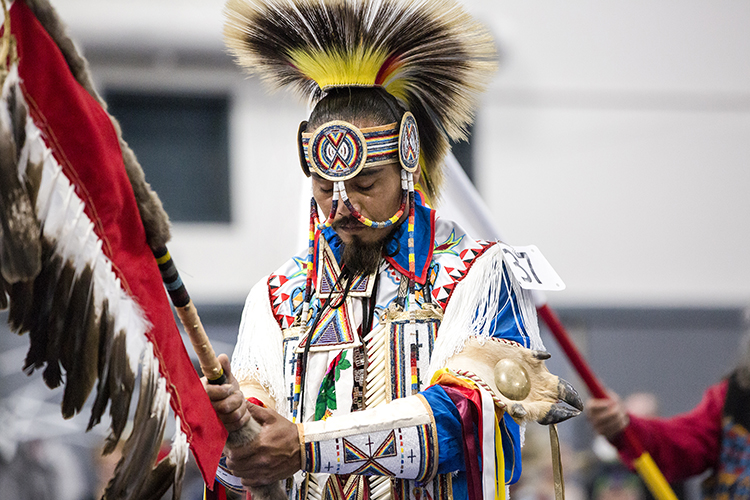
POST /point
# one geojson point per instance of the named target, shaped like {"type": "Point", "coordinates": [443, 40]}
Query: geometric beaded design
{"type": "Point", "coordinates": [408, 143]}
{"type": "Point", "coordinates": [338, 150]}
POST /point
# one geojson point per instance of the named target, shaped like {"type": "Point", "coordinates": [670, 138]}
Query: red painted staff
{"type": "Point", "coordinates": [644, 464]}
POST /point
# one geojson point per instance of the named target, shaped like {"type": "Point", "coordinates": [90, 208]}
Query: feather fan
{"type": "Point", "coordinates": [430, 54]}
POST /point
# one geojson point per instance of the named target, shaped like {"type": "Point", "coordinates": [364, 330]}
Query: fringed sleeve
{"type": "Point", "coordinates": [257, 362]}
{"type": "Point", "coordinates": [488, 302]}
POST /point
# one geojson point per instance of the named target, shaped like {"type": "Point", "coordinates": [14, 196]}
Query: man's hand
{"type": "Point", "coordinates": [273, 455]}
{"type": "Point", "coordinates": [227, 400]}
{"type": "Point", "coordinates": [607, 416]}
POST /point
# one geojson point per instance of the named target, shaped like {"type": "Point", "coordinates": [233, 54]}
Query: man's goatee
{"type": "Point", "coordinates": [359, 256]}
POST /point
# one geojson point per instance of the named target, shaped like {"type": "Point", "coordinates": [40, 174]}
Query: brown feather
{"type": "Point", "coordinates": [21, 296]}
{"type": "Point", "coordinates": [20, 250]}
{"type": "Point", "coordinates": [120, 385]}
{"type": "Point", "coordinates": [159, 480]}
{"type": "Point", "coordinates": [141, 449]}
{"type": "Point", "coordinates": [169, 471]}
{"type": "Point", "coordinates": [55, 325]}
{"type": "Point", "coordinates": [36, 321]}
{"type": "Point", "coordinates": [106, 334]}
{"type": "Point", "coordinates": [33, 180]}
{"type": "Point", "coordinates": [4, 289]}
{"type": "Point", "coordinates": [18, 115]}
{"type": "Point", "coordinates": [80, 347]}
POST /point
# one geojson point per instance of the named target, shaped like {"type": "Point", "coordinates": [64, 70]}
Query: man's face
{"type": "Point", "coordinates": [375, 192]}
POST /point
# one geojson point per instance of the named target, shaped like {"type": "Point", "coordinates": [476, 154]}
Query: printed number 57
{"type": "Point", "coordinates": [522, 261]}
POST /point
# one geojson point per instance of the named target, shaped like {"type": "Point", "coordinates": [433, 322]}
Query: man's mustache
{"type": "Point", "coordinates": [345, 222]}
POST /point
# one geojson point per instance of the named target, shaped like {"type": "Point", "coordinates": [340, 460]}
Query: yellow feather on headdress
{"type": "Point", "coordinates": [429, 54]}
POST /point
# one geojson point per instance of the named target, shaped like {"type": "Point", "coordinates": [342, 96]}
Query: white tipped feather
{"type": "Point", "coordinates": [64, 220]}
{"type": "Point", "coordinates": [142, 446]}
{"type": "Point", "coordinates": [179, 456]}
{"type": "Point", "coordinates": [20, 246]}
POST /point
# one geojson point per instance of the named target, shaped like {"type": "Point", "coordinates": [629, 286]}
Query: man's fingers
{"type": "Point", "coordinates": [229, 405]}
{"type": "Point", "coordinates": [238, 459]}
{"type": "Point", "coordinates": [219, 392]}
{"type": "Point", "coordinates": [226, 365]}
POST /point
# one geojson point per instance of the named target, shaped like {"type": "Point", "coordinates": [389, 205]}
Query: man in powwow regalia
{"type": "Point", "coordinates": [396, 357]}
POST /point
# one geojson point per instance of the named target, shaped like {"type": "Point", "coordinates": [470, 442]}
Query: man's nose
{"type": "Point", "coordinates": [343, 211]}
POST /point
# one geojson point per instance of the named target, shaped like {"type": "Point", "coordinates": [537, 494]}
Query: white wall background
{"type": "Point", "coordinates": [616, 137]}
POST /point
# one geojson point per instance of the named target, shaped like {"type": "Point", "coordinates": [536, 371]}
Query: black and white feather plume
{"type": "Point", "coordinates": [430, 54]}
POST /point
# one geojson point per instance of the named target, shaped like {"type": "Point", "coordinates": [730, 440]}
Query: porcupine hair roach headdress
{"type": "Point", "coordinates": [429, 54]}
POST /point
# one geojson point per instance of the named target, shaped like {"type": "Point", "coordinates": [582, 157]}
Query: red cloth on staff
{"type": "Point", "coordinates": [84, 142]}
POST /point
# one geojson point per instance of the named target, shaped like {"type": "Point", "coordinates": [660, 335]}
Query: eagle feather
{"type": "Point", "coordinates": [20, 250]}
{"type": "Point", "coordinates": [142, 446]}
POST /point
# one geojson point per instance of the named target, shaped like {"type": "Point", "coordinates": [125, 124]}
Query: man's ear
{"type": "Point", "coordinates": [301, 149]}
{"type": "Point", "coordinates": [417, 174]}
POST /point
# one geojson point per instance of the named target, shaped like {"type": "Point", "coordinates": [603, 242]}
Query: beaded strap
{"type": "Point", "coordinates": [410, 230]}
{"type": "Point", "coordinates": [309, 263]}
{"type": "Point", "coordinates": [332, 213]}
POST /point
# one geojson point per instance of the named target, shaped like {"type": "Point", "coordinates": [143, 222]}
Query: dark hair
{"type": "Point", "coordinates": [354, 104]}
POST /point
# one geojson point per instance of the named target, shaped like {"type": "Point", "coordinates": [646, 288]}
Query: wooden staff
{"type": "Point", "coordinates": [209, 362]}
{"type": "Point", "coordinates": [189, 318]}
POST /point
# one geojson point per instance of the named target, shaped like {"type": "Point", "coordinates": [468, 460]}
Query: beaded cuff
{"type": "Point", "coordinates": [398, 439]}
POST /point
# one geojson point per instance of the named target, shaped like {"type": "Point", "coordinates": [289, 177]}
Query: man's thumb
{"type": "Point", "coordinates": [226, 366]}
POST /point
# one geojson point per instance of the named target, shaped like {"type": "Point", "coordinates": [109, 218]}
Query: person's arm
{"type": "Point", "coordinates": [682, 446]}
{"type": "Point", "coordinates": [252, 382]}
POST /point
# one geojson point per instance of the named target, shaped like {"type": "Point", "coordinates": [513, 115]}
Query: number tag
{"type": "Point", "coordinates": [530, 268]}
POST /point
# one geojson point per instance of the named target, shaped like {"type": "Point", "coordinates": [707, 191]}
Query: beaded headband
{"type": "Point", "coordinates": [338, 150]}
